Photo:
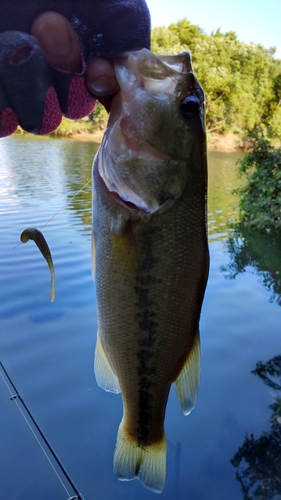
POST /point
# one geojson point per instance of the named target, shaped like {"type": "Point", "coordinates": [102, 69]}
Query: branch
{"type": "Point", "coordinates": [220, 125]}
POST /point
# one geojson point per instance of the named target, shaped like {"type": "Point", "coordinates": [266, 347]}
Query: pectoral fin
{"type": "Point", "coordinates": [187, 382]}
{"type": "Point", "coordinates": [105, 376]}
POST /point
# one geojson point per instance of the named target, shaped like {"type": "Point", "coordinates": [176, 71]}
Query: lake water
{"type": "Point", "coordinates": [47, 348]}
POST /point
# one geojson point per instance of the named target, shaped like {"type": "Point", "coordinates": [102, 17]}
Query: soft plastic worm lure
{"type": "Point", "coordinates": [31, 233]}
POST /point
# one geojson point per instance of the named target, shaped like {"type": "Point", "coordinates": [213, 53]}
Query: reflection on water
{"type": "Point", "coordinates": [258, 460]}
{"type": "Point", "coordinates": [222, 203]}
{"type": "Point", "coordinates": [48, 348]}
{"type": "Point", "coordinates": [259, 251]}
{"type": "Point", "coordinates": [78, 173]}
{"type": "Point", "coordinates": [39, 177]}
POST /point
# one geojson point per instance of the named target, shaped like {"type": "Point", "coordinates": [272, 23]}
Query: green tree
{"type": "Point", "coordinates": [260, 196]}
{"type": "Point", "coordinates": [242, 82]}
{"type": "Point", "coordinates": [164, 41]}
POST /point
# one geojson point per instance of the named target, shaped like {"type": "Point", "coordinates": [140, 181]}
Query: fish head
{"type": "Point", "coordinates": [155, 126]}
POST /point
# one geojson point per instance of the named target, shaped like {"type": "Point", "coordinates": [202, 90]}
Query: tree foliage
{"type": "Point", "coordinates": [242, 81]}
{"type": "Point", "coordinates": [260, 196]}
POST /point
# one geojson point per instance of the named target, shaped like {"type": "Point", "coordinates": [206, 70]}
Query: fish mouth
{"type": "Point", "coordinates": [134, 141]}
{"type": "Point", "coordinates": [140, 171]}
{"type": "Point", "coordinates": [115, 198]}
{"type": "Point", "coordinates": [128, 137]}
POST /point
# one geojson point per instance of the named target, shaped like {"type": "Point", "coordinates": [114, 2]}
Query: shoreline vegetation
{"type": "Point", "coordinates": [259, 193]}
{"type": "Point", "coordinates": [215, 142]}
{"type": "Point", "coordinates": [77, 131]}
{"type": "Point", "coordinates": [242, 84]}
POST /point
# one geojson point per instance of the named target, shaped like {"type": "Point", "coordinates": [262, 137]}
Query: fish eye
{"type": "Point", "coordinates": [189, 107]}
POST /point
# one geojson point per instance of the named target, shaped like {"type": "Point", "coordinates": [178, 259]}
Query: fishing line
{"type": "Point", "coordinates": [60, 210]}
{"type": "Point", "coordinates": [15, 397]}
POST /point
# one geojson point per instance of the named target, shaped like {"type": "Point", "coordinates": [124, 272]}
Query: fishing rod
{"type": "Point", "coordinates": [17, 397]}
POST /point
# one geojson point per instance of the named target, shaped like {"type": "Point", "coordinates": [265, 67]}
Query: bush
{"type": "Point", "coordinates": [260, 195]}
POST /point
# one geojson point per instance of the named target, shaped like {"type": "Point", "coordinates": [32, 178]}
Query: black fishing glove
{"type": "Point", "coordinates": [36, 96]}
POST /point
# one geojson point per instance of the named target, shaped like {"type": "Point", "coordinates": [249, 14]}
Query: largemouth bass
{"type": "Point", "coordinates": [150, 253]}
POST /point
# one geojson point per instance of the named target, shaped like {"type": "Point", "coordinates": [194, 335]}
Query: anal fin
{"type": "Point", "coordinates": [105, 376]}
{"type": "Point", "coordinates": [187, 382]}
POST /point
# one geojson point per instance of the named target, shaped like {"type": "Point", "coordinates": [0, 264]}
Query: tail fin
{"type": "Point", "coordinates": [147, 463]}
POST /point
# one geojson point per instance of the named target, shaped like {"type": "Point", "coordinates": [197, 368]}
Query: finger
{"type": "Point", "coordinates": [27, 85]}
{"type": "Point", "coordinates": [58, 41]}
{"type": "Point", "coordinates": [105, 27]}
{"type": "Point", "coordinates": [100, 77]}
{"type": "Point", "coordinates": [62, 51]}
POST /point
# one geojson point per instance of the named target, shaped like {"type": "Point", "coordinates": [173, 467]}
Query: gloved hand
{"type": "Point", "coordinates": [49, 49]}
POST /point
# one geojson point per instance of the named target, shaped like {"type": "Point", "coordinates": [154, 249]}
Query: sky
{"type": "Point", "coordinates": [253, 20]}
